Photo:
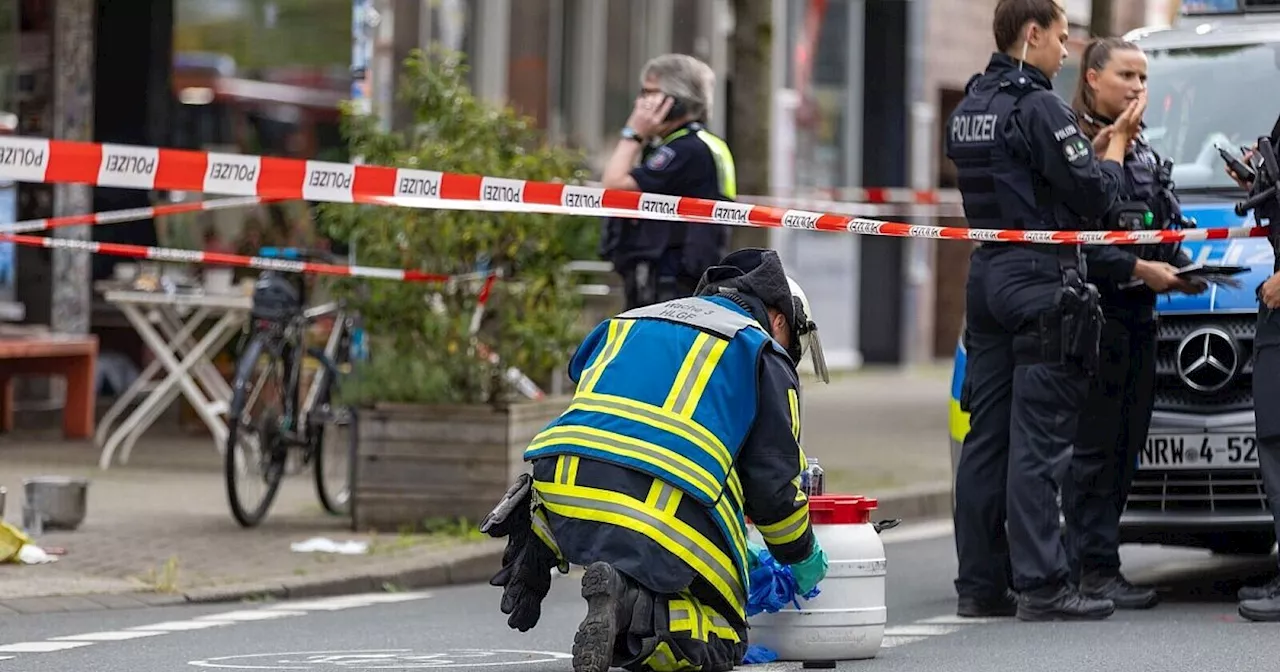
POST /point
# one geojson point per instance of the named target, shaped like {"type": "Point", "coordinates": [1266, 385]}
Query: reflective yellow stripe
{"type": "Point", "coordinates": [618, 330]}
{"type": "Point", "coordinates": [667, 460]}
{"type": "Point", "coordinates": [724, 163]}
{"type": "Point", "coordinates": [567, 469]}
{"type": "Point", "coordinates": [542, 530]}
{"type": "Point", "coordinates": [795, 482]}
{"type": "Point", "coordinates": [675, 135]}
{"type": "Point", "coordinates": [685, 617]}
{"type": "Point", "coordinates": [735, 489]}
{"type": "Point", "coordinates": [737, 535]}
{"type": "Point", "coordinates": [691, 380]}
{"type": "Point", "coordinates": [663, 497]}
{"type": "Point", "coordinates": [682, 617]}
{"type": "Point", "coordinates": [958, 421]}
{"type": "Point", "coordinates": [701, 344]}
{"type": "Point", "coordinates": [583, 503]}
{"type": "Point", "coordinates": [664, 660]}
{"type": "Point", "coordinates": [793, 401]}
{"type": "Point", "coordinates": [787, 530]}
{"type": "Point", "coordinates": [717, 625]}
{"type": "Point", "coordinates": [659, 418]}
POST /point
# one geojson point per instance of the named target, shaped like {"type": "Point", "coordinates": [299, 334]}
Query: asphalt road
{"type": "Point", "coordinates": [1196, 628]}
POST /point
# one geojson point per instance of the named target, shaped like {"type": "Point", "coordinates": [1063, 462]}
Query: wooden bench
{"type": "Point", "coordinates": [72, 357]}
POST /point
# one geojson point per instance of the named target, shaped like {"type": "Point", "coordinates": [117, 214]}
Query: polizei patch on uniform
{"type": "Point", "coordinates": [660, 158]}
{"type": "Point", "coordinates": [1076, 150]}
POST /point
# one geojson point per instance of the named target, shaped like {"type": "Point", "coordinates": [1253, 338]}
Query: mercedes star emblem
{"type": "Point", "coordinates": [1207, 359]}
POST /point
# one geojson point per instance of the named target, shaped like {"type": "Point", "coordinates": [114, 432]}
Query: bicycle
{"type": "Point", "coordinates": [278, 332]}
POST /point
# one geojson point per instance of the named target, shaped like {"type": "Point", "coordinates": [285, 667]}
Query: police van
{"type": "Point", "coordinates": [1214, 79]}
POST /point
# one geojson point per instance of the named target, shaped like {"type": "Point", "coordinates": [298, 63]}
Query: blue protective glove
{"type": "Point", "coordinates": [753, 555]}
{"type": "Point", "coordinates": [812, 570]}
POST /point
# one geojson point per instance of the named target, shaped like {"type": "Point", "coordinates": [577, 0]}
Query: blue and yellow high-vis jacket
{"type": "Point", "coordinates": [685, 419]}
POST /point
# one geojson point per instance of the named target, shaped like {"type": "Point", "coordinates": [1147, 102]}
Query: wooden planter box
{"type": "Point", "coordinates": [418, 463]}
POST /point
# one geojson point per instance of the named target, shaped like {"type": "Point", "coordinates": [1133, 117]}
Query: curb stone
{"type": "Point", "coordinates": [914, 504]}
{"type": "Point", "coordinates": [469, 565]}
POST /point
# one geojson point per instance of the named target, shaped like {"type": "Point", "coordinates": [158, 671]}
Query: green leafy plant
{"type": "Point", "coordinates": [421, 351]}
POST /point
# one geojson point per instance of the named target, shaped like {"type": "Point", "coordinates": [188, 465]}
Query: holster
{"type": "Point", "coordinates": [1080, 320]}
{"type": "Point", "coordinates": [527, 561]}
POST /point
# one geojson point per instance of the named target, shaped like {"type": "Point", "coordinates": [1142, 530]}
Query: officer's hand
{"type": "Point", "coordinates": [1102, 139]}
{"type": "Point", "coordinates": [1129, 125]}
{"type": "Point", "coordinates": [1232, 174]}
{"type": "Point", "coordinates": [648, 115]}
{"type": "Point", "coordinates": [1157, 275]}
{"type": "Point", "coordinates": [1191, 286]}
{"type": "Point", "coordinates": [1271, 292]}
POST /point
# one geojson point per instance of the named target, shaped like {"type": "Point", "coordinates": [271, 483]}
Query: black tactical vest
{"type": "Point", "coordinates": [985, 170]}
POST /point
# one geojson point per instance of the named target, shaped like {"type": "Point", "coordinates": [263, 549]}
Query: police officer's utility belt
{"type": "Point", "coordinates": [1063, 252]}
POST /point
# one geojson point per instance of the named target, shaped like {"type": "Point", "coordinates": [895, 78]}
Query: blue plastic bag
{"type": "Point", "coordinates": [772, 586]}
{"type": "Point", "coordinates": [757, 654]}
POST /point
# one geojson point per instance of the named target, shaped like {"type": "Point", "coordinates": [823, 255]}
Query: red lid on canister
{"type": "Point", "coordinates": [841, 509]}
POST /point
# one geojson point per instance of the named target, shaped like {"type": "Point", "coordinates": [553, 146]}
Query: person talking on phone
{"type": "Point", "coordinates": [1116, 415]}
{"type": "Point", "coordinates": [665, 148]}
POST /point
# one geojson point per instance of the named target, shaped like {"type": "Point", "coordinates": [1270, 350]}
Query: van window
{"type": "Point", "coordinates": [1201, 96]}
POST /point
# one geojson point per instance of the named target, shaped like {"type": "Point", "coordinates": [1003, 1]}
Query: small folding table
{"type": "Point", "coordinates": [167, 323]}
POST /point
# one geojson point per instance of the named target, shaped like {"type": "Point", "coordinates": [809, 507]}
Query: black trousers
{"type": "Point", "coordinates": [1113, 429]}
{"type": "Point", "coordinates": [677, 633]}
{"type": "Point", "coordinates": [643, 285]}
{"type": "Point", "coordinates": [1023, 404]}
{"type": "Point", "coordinates": [1266, 404]}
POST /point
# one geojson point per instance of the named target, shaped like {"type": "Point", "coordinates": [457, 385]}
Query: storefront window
{"type": "Point", "coordinates": [262, 76]}
{"type": "Point", "coordinates": [259, 77]}
{"type": "Point", "coordinates": [818, 65]}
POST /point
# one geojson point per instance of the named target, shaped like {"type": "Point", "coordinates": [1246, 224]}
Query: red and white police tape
{"type": "Point", "coordinates": [221, 259]}
{"type": "Point", "coordinates": [127, 215]}
{"type": "Point", "coordinates": [135, 167]}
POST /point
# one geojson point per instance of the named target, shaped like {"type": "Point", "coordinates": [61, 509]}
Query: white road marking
{"type": "Point", "coordinates": [284, 609]}
{"type": "Point", "coordinates": [891, 641]}
{"type": "Point", "coordinates": [255, 615]}
{"type": "Point", "coordinates": [952, 619]}
{"type": "Point", "coordinates": [41, 647]}
{"type": "Point", "coordinates": [110, 636]}
{"type": "Point", "coordinates": [919, 630]}
{"type": "Point", "coordinates": [181, 626]}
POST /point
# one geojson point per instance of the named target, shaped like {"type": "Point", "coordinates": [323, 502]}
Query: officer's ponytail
{"type": "Point", "coordinates": [1096, 57]}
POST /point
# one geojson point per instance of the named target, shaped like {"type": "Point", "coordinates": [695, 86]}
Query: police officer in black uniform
{"type": "Point", "coordinates": [1262, 603]}
{"type": "Point", "coordinates": [1117, 414]}
{"type": "Point", "coordinates": [663, 260]}
{"type": "Point", "coordinates": [1032, 322]}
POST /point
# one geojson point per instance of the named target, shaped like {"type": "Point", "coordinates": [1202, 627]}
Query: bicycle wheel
{"type": "Point", "coordinates": [332, 460]}
{"type": "Point", "coordinates": [255, 448]}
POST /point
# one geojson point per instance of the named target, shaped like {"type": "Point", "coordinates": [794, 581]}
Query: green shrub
{"type": "Point", "coordinates": [418, 333]}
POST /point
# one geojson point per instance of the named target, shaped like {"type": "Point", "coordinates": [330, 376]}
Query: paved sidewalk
{"type": "Point", "coordinates": [158, 530]}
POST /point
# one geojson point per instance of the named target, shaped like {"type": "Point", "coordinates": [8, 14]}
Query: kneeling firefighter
{"type": "Point", "coordinates": [685, 421]}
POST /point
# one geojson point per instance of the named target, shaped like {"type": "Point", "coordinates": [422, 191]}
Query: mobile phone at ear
{"type": "Point", "coordinates": [677, 109]}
